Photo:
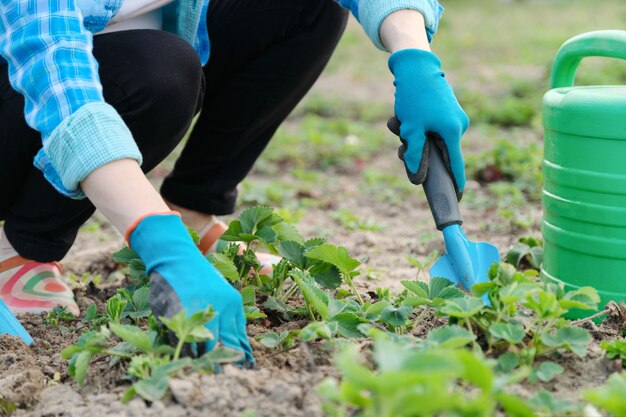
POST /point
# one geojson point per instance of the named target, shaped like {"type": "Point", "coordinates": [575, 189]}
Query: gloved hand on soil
{"type": "Point", "coordinates": [181, 278]}
{"type": "Point", "coordinates": [425, 104]}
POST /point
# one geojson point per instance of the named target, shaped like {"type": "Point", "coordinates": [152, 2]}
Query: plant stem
{"type": "Point", "coordinates": [348, 278]}
{"type": "Point", "coordinates": [594, 316]}
{"type": "Point", "coordinates": [469, 326]}
{"type": "Point", "coordinates": [120, 355]}
{"type": "Point", "coordinates": [291, 291]}
{"type": "Point", "coordinates": [308, 308]}
{"type": "Point", "coordinates": [538, 331]}
{"type": "Point", "coordinates": [179, 347]}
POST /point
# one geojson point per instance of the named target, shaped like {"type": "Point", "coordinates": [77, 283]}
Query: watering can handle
{"type": "Point", "coordinates": [606, 43]}
{"type": "Point", "coordinates": [439, 189]}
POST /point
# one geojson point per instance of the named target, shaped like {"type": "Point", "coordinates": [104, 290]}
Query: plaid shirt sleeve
{"type": "Point", "coordinates": [49, 53]}
{"type": "Point", "coordinates": [371, 13]}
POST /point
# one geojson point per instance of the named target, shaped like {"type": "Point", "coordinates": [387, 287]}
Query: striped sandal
{"type": "Point", "coordinates": [210, 242]}
{"type": "Point", "coordinates": [34, 287]}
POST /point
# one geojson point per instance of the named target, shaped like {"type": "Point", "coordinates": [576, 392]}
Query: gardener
{"type": "Point", "coordinates": [108, 108]}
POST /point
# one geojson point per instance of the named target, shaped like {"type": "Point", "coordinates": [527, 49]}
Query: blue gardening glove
{"type": "Point", "coordinates": [181, 278]}
{"type": "Point", "coordinates": [425, 105]}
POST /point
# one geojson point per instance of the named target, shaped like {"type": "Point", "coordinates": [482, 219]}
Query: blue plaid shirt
{"type": "Point", "coordinates": [48, 47]}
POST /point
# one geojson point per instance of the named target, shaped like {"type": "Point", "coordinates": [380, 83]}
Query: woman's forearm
{"type": "Point", "coordinates": [404, 29]}
{"type": "Point", "coordinates": [122, 193]}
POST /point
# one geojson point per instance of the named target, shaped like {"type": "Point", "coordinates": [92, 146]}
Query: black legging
{"type": "Point", "coordinates": [265, 55]}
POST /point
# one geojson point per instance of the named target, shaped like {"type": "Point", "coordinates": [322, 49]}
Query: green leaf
{"type": "Point", "coordinates": [314, 296]}
{"type": "Point", "coordinates": [137, 269]}
{"type": "Point", "coordinates": [416, 301]}
{"type": "Point", "coordinates": [443, 289]}
{"type": "Point", "coordinates": [219, 355]}
{"type": "Point", "coordinates": [115, 308]}
{"type": "Point", "coordinates": [574, 339]}
{"type": "Point", "coordinates": [536, 257]}
{"type": "Point", "coordinates": [462, 307]}
{"type": "Point", "coordinates": [450, 337]}
{"type": "Point", "coordinates": [512, 333]}
{"type": "Point", "coordinates": [313, 242]}
{"type": "Point", "coordinates": [514, 406]}
{"type": "Point", "coordinates": [94, 342]}
{"type": "Point", "coordinates": [191, 329]}
{"type": "Point", "coordinates": [133, 335]}
{"type": "Point", "coordinates": [544, 303]}
{"type": "Point", "coordinates": [348, 324]}
{"type": "Point", "coordinates": [224, 265]}
{"type": "Point", "coordinates": [481, 288]}
{"type": "Point", "coordinates": [546, 371]}
{"type": "Point", "coordinates": [199, 334]}
{"type": "Point", "coordinates": [122, 348]}
{"type": "Point", "coordinates": [294, 252]}
{"type": "Point", "coordinates": [336, 306]}
{"type": "Point", "coordinates": [508, 361]}
{"type": "Point", "coordinates": [253, 313]}
{"type": "Point", "coordinates": [544, 401]}
{"type": "Point", "coordinates": [476, 370]}
{"type": "Point", "coordinates": [272, 340]}
{"type": "Point", "coordinates": [79, 365]}
{"type": "Point", "coordinates": [233, 233]}
{"type": "Point", "coordinates": [515, 255]}
{"type": "Point", "coordinates": [287, 232]}
{"type": "Point", "coordinates": [396, 316]}
{"type": "Point", "coordinates": [248, 296]}
{"type": "Point", "coordinates": [418, 288]}
{"type": "Point", "coordinates": [125, 255]}
{"type": "Point", "coordinates": [611, 396]}
{"type": "Point", "coordinates": [502, 273]}
{"type": "Point", "coordinates": [275, 304]}
{"type": "Point", "coordinates": [153, 388]}
{"type": "Point", "coordinates": [318, 330]}
{"type": "Point", "coordinates": [140, 303]}
{"type": "Point", "coordinates": [327, 275]}
{"type": "Point", "coordinates": [390, 356]}
{"type": "Point", "coordinates": [585, 298]}
{"type": "Point", "coordinates": [614, 349]}
{"type": "Point", "coordinates": [128, 395]}
{"type": "Point", "coordinates": [193, 234]}
{"type": "Point", "coordinates": [336, 255]}
{"type": "Point", "coordinates": [373, 311]}
{"type": "Point", "coordinates": [512, 293]}
{"type": "Point", "coordinates": [252, 217]}
{"type": "Point", "coordinates": [267, 235]}
{"type": "Point", "coordinates": [91, 312]}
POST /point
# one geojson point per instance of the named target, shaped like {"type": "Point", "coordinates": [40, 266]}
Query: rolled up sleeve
{"type": "Point", "coordinates": [372, 13]}
{"type": "Point", "coordinates": [49, 53]}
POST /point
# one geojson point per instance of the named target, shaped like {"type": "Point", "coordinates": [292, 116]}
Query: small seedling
{"type": "Point", "coordinates": [58, 315]}
{"type": "Point", "coordinates": [190, 329]}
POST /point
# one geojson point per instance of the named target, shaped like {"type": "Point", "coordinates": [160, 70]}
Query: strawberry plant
{"type": "Point", "coordinates": [151, 359]}
{"type": "Point", "coordinates": [528, 253]}
{"type": "Point", "coordinates": [615, 349]}
{"type": "Point", "coordinates": [405, 380]}
{"type": "Point", "coordinates": [525, 319]}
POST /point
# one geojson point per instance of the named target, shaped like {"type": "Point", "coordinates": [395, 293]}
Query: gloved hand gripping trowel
{"type": "Point", "coordinates": [465, 262]}
{"type": "Point", "coordinates": [10, 325]}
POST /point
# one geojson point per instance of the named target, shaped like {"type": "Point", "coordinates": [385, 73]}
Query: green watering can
{"type": "Point", "coordinates": [584, 193]}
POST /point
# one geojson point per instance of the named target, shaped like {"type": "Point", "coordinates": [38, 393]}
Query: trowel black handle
{"type": "Point", "coordinates": [439, 189]}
